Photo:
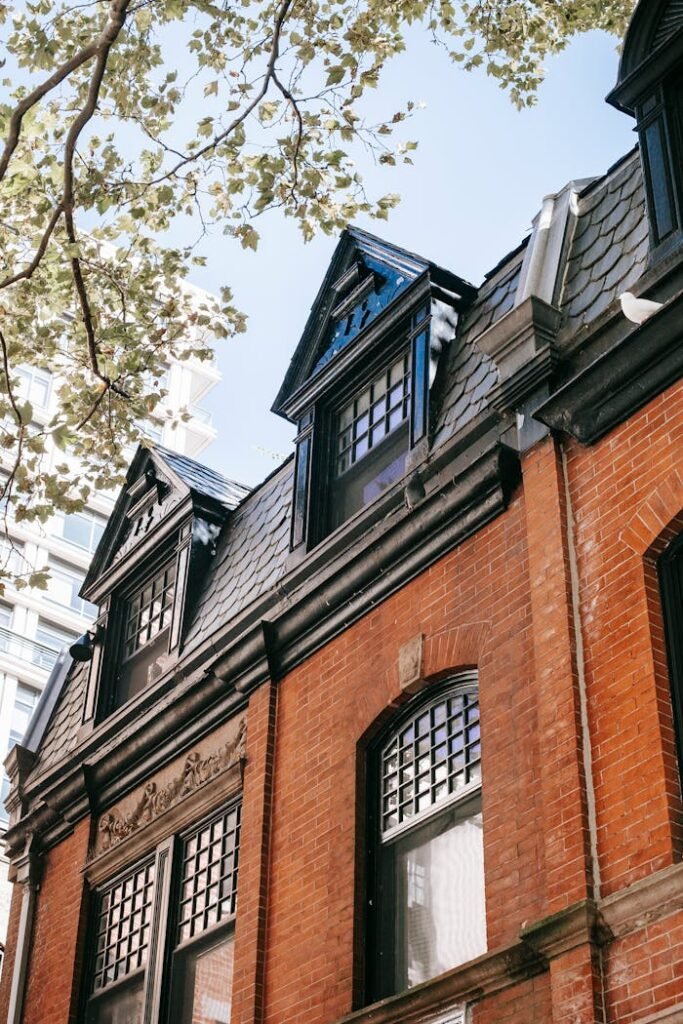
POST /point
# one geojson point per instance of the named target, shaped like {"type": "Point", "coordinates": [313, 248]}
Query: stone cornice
{"type": "Point", "coordinates": [521, 340]}
{"type": "Point", "coordinates": [647, 900]}
{"type": "Point", "coordinates": [565, 930]}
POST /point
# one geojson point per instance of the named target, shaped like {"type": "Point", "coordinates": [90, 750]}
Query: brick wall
{"type": "Point", "coordinates": [505, 601]}
{"type": "Point", "coordinates": [638, 800]}
{"type": "Point", "coordinates": [10, 950]}
{"type": "Point", "coordinates": [529, 1002]}
{"type": "Point", "coordinates": [54, 965]}
{"type": "Point", "coordinates": [476, 602]}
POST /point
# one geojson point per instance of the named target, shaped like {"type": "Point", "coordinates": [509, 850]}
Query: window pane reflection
{"type": "Point", "coordinates": [440, 912]}
{"type": "Point", "coordinates": [124, 1006]}
{"type": "Point", "coordinates": [206, 981]}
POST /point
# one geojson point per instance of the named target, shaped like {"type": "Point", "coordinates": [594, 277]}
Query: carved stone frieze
{"type": "Point", "coordinates": [187, 775]}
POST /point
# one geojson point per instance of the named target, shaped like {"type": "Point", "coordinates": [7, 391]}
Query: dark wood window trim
{"type": "Point", "coordinates": [178, 879]}
{"type": "Point", "coordinates": [671, 584]}
{"type": "Point", "coordinates": [317, 442]}
{"type": "Point", "coordinates": [660, 130]}
{"type": "Point", "coordinates": [109, 658]}
{"type": "Point", "coordinates": [384, 834]}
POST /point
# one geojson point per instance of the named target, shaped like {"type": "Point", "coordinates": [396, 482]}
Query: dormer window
{"type": "Point", "coordinates": [650, 89]}
{"type": "Point", "coordinates": [158, 543]}
{"type": "Point", "coordinates": [371, 441]}
{"type": "Point", "coordinates": [359, 384]}
{"type": "Point", "coordinates": [147, 618]}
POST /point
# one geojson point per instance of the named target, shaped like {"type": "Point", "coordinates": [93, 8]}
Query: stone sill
{"type": "Point", "coordinates": [499, 969]}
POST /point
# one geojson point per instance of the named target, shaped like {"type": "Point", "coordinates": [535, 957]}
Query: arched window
{"type": "Point", "coordinates": [427, 911]}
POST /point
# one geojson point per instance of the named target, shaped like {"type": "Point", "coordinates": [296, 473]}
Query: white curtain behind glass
{"type": "Point", "coordinates": [441, 912]}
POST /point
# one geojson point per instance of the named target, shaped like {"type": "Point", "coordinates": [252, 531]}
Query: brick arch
{"type": "Point", "coordinates": [654, 525]}
{"type": "Point", "coordinates": [657, 520]}
{"type": "Point", "coordinates": [453, 649]}
{"type": "Point", "coordinates": [420, 662]}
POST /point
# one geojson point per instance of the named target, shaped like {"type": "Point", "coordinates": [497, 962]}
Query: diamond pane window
{"type": "Point", "coordinates": [208, 886]}
{"type": "Point", "coordinates": [123, 926]}
{"type": "Point", "coordinates": [149, 610]}
{"type": "Point", "coordinates": [431, 759]}
{"type": "Point", "coordinates": [375, 412]}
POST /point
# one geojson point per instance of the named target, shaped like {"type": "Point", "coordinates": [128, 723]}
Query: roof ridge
{"type": "Point", "coordinates": [600, 179]}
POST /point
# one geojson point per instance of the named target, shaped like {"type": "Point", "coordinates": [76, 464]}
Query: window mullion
{"type": "Point", "coordinates": [161, 923]}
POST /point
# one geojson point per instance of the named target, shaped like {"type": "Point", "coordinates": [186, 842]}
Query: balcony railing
{"type": "Point", "coordinates": [18, 646]}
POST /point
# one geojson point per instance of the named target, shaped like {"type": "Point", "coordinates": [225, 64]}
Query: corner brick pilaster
{"type": "Point", "coordinates": [568, 871]}
{"type": "Point", "coordinates": [250, 929]}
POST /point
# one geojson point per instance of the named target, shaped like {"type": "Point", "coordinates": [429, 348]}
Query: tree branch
{"type": "Point", "coordinates": [280, 19]}
{"type": "Point", "coordinates": [24, 275]}
{"type": "Point", "coordinates": [109, 32]}
{"type": "Point", "coordinates": [300, 130]}
{"type": "Point", "coordinates": [117, 16]}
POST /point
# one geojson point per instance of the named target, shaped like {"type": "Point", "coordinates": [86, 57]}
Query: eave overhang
{"type": "Point", "coordinates": [467, 484]}
{"type": "Point", "coordinates": [620, 381]}
{"type": "Point", "coordinates": [636, 80]}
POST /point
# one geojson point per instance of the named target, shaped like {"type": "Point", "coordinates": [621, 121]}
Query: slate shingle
{"type": "Point", "coordinates": [60, 736]}
{"type": "Point", "coordinates": [251, 555]}
{"type": "Point", "coordinates": [609, 250]}
{"type": "Point", "coordinates": [204, 480]}
{"type": "Point", "coordinates": [471, 374]}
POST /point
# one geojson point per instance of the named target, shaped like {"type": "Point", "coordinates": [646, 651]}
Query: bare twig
{"type": "Point", "coordinates": [7, 486]}
{"type": "Point", "coordinates": [280, 19]}
{"type": "Point", "coordinates": [300, 130]}
{"type": "Point", "coordinates": [24, 275]}
{"type": "Point", "coordinates": [10, 393]}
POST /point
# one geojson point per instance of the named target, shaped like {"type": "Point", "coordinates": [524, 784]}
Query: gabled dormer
{"type": "Point", "coordinates": [147, 570]}
{"type": "Point", "coordinates": [650, 88]}
{"type": "Point", "coordinates": [360, 385]}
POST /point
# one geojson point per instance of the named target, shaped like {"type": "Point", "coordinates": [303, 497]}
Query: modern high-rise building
{"type": "Point", "coordinates": [36, 624]}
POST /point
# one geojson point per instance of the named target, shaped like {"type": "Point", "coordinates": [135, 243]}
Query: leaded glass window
{"type": "Point", "coordinates": [203, 959]}
{"type": "Point", "coordinates": [379, 409]}
{"type": "Point", "coordinates": [123, 926]}
{"type": "Point", "coordinates": [432, 757]}
{"type": "Point", "coordinates": [428, 912]}
{"type": "Point", "coordinates": [163, 933]}
{"type": "Point", "coordinates": [149, 610]}
{"type": "Point", "coordinates": [147, 615]}
{"type": "Point", "coordinates": [122, 943]}
{"type": "Point", "coordinates": [208, 892]}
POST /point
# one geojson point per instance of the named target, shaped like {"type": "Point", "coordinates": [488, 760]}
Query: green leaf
{"type": "Point", "coordinates": [335, 75]}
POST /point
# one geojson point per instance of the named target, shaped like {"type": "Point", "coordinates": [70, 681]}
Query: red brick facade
{"type": "Point", "coordinates": [537, 567]}
{"type": "Point", "coordinates": [502, 601]}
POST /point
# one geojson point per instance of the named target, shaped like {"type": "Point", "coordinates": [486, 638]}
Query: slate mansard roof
{"type": "Point", "coordinates": [204, 481]}
{"type": "Point", "coordinates": [605, 255]}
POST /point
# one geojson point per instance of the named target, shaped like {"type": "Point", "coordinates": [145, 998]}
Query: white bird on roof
{"type": "Point", "coordinates": [637, 310]}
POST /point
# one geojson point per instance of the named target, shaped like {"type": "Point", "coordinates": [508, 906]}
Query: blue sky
{"type": "Point", "coordinates": [480, 173]}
